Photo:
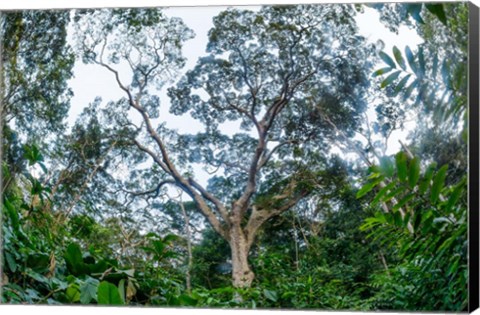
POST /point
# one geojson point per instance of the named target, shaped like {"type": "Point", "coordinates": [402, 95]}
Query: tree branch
{"type": "Point", "coordinates": [267, 157]}
{"type": "Point", "coordinates": [153, 155]}
{"type": "Point", "coordinates": [155, 190]}
{"type": "Point", "coordinates": [164, 161]}
{"type": "Point", "coordinates": [218, 204]}
{"type": "Point", "coordinates": [258, 217]}
{"type": "Point", "coordinates": [253, 91]}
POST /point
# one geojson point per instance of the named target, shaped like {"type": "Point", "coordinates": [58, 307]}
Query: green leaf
{"type": "Point", "coordinates": [32, 154]}
{"type": "Point", "coordinates": [152, 234]}
{"type": "Point", "coordinates": [380, 216]}
{"type": "Point", "coordinates": [107, 294]}
{"type": "Point", "coordinates": [368, 187]}
{"type": "Point", "coordinates": [98, 267]}
{"type": "Point", "coordinates": [394, 193]}
{"type": "Point", "coordinates": [187, 300]}
{"type": "Point", "coordinates": [455, 195]}
{"type": "Point", "coordinates": [12, 214]}
{"type": "Point", "coordinates": [402, 202]}
{"type": "Point", "coordinates": [43, 167]}
{"type": "Point", "coordinates": [401, 84]}
{"type": "Point", "coordinates": [88, 290]}
{"type": "Point", "coordinates": [121, 289]}
{"type": "Point", "coordinates": [38, 262]}
{"type": "Point", "coordinates": [73, 253]}
{"type": "Point", "coordinates": [414, 10]}
{"type": "Point", "coordinates": [399, 58]}
{"type": "Point", "coordinates": [438, 183]}
{"type": "Point", "coordinates": [397, 219]}
{"type": "Point", "coordinates": [446, 73]}
{"type": "Point", "coordinates": [410, 89]}
{"type": "Point", "coordinates": [374, 175]}
{"type": "Point", "coordinates": [72, 293]}
{"type": "Point", "coordinates": [382, 193]}
{"type": "Point", "coordinates": [441, 220]}
{"type": "Point", "coordinates": [382, 71]}
{"type": "Point", "coordinates": [427, 224]}
{"type": "Point", "coordinates": [406, 218]}
{"type": "Point", "coordinates": [410, 59]}
{"type": "Point", "coordinates": [435, 67]}
{"type": "Point", "coordinates": [159, 247]}
{"type": "Point", "coordinates": [414, 172]}
{"type": "Point", "coordinates": [12, 265]}
{"type": "Point", "coordinates": [427, 178]}
{"type": "Point", "coordinates": [401, 162]}
{"type": "Point", "coordinates": [417, 220]}
{"type": "Point", "coordinates": [386, 166]}
{"type": "Point", "coordinates": [37, 188]}
{"type": "Point", "coordinates": [371, 223]}
{"type": "Point", "coordinates": [421, 61]}
{"type": "Point", "coordinates": [168, 239]}
{"type": "Point", "coordinates": [128, 272]}
{"type": "Point", "coordinates": [74, 259]}
{"type": "Point", "coordinates": [270, 295]}
{"type": "Point", "coordinates": [386, 58]}
{"type": "Point", "coordinates": [454, 267]}
{"type": "Point", "coordinates": [32, 295]}
{"type": "Point", "coordinates": [37, 276]}
{"type": "Point", "coordinates": [56, 283]}
{"type": "Point", "coordinates": [438, 11]}
{"type": "Point", "coordinates": [389, 80]}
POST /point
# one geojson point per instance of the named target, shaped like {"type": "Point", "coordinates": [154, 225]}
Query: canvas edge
{"type": "Point", "coordinates": [473, 94]}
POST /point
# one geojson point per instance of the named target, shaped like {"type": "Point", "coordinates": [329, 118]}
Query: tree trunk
{"type": "Point", "coordinates": [242, 275]}
{"type": "Point", "coordinates": [188, 280]}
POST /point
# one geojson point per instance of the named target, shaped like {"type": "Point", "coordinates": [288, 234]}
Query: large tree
{"type": "Point", "coordinates": [37, 64]}
{"type": "Point", "coordinates": [273, 74]}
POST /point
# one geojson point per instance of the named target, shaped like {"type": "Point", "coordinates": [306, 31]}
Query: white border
{"type": "Point", "coordinates": [62, 4]}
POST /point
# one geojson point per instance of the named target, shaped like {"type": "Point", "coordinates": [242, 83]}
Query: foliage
{"type": "Point", "coordinates": [45, 265]}
{"type": "Point", "coordinates": [426, 81]}
{"type": "Point", "coordinates": [423, 223]}
{"type": "Point", "coordinates": [426, 227]}
{"type": "Point", "coordinates": [37, 65]}
{"type": "Point", "coordinates": [434, 74]}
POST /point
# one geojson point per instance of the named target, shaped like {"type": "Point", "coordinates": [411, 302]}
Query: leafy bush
{"type": "Point", "coordinates": [426, 227]}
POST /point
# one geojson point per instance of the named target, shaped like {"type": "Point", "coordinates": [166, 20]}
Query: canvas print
{"type": "Point", "coordinates": [258, 157]}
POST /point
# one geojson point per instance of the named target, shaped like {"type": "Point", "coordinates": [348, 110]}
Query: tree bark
{"type": "Point", "coordinates": [242, 274]}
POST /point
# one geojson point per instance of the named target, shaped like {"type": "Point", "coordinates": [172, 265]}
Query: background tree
{"type": "Point", "coordinates": [37, 63]}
